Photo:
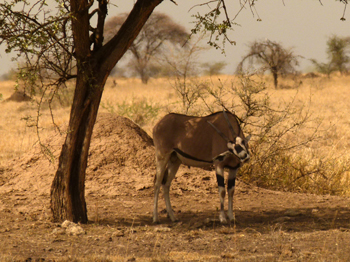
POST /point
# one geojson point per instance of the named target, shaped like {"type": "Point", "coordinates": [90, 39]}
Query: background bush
{"type": "Point", "coordinates": [140, 110]}
{"type": "Point", "coordinates": [284, 137]}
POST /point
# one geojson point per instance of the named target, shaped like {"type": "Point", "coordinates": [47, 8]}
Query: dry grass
{"type": "Point", "coordinates": [18, 135]}
{"type": "Point", "coordinates": [327, 99]}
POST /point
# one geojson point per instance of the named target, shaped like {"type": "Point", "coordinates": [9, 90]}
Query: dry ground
{"type": "Point", "coordinates": [271, 226]}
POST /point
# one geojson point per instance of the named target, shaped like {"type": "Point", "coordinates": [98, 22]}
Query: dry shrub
{"type": "Point", "coordinates": [139, 110]}
{"type": "Point", "coordinates": [284, 135]}
{"type": "Point", "coordinates": [298, 172]}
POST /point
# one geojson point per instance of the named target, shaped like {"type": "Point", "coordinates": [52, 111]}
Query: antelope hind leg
{"type": "Point", "coordinates": [173, 166]}
{"type": "Point", "coordinates": [161, 168]}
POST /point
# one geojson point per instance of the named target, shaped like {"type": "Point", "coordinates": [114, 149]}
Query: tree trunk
{"type": "Point", "coordinates": [144, 76]}
{"type": "Point", "coordinates": [68, 186]}
{"type": "Point", "coordinates": [275, 80]}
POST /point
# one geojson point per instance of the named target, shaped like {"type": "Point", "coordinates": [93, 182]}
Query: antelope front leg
{"type": "Point", "coordinates": [221, 185]}
{"type": "Point", "coordinates": [231, 182]}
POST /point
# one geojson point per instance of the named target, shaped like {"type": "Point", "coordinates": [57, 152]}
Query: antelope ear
{"type": "Point", "coordinates": [248, 138]}
{"type": "Point", "coordinates": [230, 145]}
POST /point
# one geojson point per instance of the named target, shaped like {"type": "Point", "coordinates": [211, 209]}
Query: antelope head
{"type": "Point", "coordinates": [238, 147]}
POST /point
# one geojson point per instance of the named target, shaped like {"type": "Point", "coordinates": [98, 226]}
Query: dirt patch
{"type": "Point", "coordinates": [19, 96]}
{"type": "Point", "coordinates": [271, 226]}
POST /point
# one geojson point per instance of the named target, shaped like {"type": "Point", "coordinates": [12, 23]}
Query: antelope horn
{"type": "Point", "coordinates": [229, 125]}
{"type": "Point", "coordinates": [219, 132]}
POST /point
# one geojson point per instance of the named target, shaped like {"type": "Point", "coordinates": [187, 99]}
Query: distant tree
{"type": "Point", "coordinates": [338, 52]}
{"type": "Point", "coordinates": [9, 75]}
{"type": "Point", "coordinates": [270, 56]}
{"type": "Point", "coordinates": [158, 30]}
{"type": "Point", "coordinates": [183, 65]}
{"type": "Point", "coordinates": [323, 68]}
{"type": "Point", "coordinates": [213, 68]}
{"type": "Point", "coordinates": [338, 56]}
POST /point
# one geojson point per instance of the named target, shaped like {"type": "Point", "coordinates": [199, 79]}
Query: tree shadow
{"type": "Point", "coordinates": [291, 220]}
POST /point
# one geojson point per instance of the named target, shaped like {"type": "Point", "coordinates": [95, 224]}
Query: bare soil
{"type": "Point", "coordinates": [270, 225]}
{"type": "Point", "coordinates": [19, 96]}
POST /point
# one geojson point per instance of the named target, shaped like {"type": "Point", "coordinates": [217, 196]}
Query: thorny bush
{"type": "Point", "coordinates": [283, 135]}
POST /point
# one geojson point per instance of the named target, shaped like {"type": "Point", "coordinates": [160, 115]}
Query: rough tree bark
{"type": "Point", "coordinates": [94, 66]}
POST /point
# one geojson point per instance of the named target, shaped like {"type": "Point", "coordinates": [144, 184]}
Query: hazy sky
{"type": "Point", "coordinates": [304, 25]}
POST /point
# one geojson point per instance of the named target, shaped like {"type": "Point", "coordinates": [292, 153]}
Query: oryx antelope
{"type": "Point", "coordinates": [214, 140]}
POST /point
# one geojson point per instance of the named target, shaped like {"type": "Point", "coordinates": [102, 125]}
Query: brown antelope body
{"type": "Point", "coordinates": [214, 140]}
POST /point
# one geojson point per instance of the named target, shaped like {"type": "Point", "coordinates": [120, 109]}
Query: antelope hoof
{"type": "Point", "coordinates": [173, 219]}
{"type": "Point", "coordinates": [223, 219]}
{"type": "Point", "coordinates": [231, 218]}
{"type": "Point", "coordinates": [172, 216]}
{"type": "Point", "coordinates": [156, 222]}
{"type": "Point", "coordinates": [234, 222]}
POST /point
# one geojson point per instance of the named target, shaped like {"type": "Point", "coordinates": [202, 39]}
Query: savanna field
{"type": "Point", "coordinates": [292, 201]}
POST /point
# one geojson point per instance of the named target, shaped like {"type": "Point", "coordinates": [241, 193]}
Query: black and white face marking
{"type": "Point", "coordinates": [240, 148]}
